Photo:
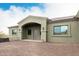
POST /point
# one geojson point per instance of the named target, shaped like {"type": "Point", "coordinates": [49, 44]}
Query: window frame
{"type": "Point", "coordinates": [68, 31]}
{"type": "Point", "coordinates": [60, 33]}
{"type": "Point", "coordinates": [13, 32]}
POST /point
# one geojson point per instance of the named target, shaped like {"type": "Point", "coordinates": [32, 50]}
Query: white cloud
{"type": "Point", "coordinates": [36, 11]}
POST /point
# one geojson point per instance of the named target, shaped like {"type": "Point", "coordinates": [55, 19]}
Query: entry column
{"type": "Point", "coordinates": [43, 30]}
{"type": "Point", "coordinates": [20, 33]}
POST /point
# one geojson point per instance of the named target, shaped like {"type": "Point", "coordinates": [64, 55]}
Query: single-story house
{"type": "Point", "coordinates": [62, 29]}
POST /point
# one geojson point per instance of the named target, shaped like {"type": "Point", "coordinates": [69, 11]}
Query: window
{"type": "Point", "coordinates": [14, 31]}
{"type": "Point", "coordinates": [61, 29]}
{"type": "Point", "coordinates": [29, 31]}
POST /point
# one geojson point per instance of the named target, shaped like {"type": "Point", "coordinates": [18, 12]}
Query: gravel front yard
{"type": "Point", "coordinates": [23, 48]}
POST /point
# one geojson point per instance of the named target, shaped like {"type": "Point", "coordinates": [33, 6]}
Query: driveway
{"type": "Point", "coordinates": [23, 48]}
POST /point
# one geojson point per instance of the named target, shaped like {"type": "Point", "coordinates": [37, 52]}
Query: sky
{"type": "Point", "coordinates": [12, 13]}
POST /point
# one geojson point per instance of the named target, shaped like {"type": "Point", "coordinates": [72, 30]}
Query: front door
{"type": "Point", "coordinates": [34, 33]}
{"type": "Point", "coordinates": [29, 33]}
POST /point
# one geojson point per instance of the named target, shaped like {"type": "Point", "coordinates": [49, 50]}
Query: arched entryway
{"type": "Point", "coordinates": [31, 31]}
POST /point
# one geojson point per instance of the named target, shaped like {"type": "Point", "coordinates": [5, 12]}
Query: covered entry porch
{"type": "Point", "coordinates": [31, 31]}
{"type": "Point", "coordinates": [33, 28]}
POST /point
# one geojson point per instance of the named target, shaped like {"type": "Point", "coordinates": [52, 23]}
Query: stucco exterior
{"type": "Point", "coordinates": [71, 37]}
{"type": "Point", "coordinates": [31, 19]}
{"type": "Point", "coordinates": [13, 37]}
{"type": "Point", "coordinates": [46, 30]}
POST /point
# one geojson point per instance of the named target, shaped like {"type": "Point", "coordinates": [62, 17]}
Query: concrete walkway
{"type": "Point", "coordinates": [23, 48]}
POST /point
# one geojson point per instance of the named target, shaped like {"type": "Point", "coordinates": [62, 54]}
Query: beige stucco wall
{"type": "Point", "coordinates": [73, 33]}
{"type": "Point", "coordinates": [13, 37]}
{"type": "Point", "coordinates": [78, 29]}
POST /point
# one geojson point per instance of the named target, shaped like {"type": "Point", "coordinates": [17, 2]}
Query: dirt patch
{"type": "Point", "coordinates": [23, 48]}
